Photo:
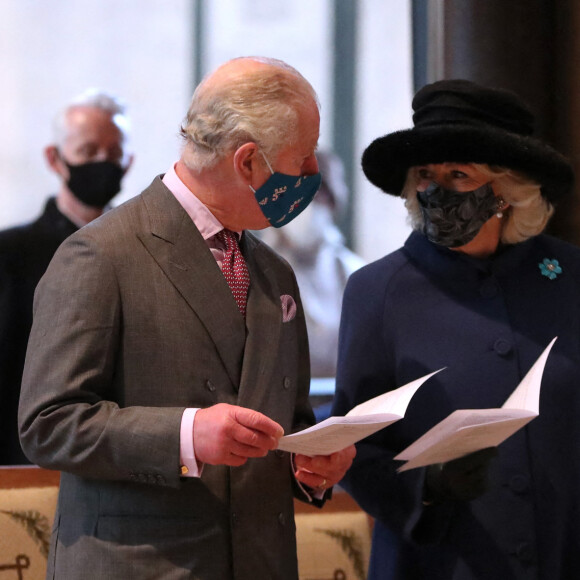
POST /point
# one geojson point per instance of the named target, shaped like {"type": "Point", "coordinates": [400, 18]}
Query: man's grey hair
{"type": "Point", "coordinates": [98, 99]}
{"type": "Point", "coordinates": [259, 106]}
{"type": "Point", "coordinates": [529, 212]}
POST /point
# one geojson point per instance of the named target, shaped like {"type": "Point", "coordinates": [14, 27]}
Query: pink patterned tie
{"type": "Point", "coordinates": [234, 269]}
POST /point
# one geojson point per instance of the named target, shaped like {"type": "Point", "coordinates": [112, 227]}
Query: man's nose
{"type": "Point", "coordinates": [424, 183]}
{"type": "Point", "coordinates": [107, 155]}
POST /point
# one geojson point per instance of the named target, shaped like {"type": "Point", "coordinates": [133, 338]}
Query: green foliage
{"type": "Point", "coordinates": [351, 546]}
{"type": "Point", "coordinates": [36, 526]}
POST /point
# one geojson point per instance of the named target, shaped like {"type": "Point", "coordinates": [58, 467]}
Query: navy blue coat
{"type": "Point", "coordinates": [423, 308]}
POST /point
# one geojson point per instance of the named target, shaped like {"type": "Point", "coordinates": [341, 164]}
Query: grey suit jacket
{"type": "Point", "coordinates": [133, 322]}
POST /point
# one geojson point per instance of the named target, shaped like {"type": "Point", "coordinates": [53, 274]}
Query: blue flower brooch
{"type": "Point", "coordinates": [550, 268]}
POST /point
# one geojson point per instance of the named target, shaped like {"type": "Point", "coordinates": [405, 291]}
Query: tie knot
{"type": "Point", "coordinates": [227, 237]}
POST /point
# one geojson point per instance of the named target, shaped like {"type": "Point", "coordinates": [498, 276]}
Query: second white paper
{"type": "Point", "coordinates": [468, 430]}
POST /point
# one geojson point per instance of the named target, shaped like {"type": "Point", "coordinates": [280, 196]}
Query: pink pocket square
{"type": "Point", "coordinates": [288, 307]}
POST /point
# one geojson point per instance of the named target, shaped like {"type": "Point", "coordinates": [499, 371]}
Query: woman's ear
{"type": "Point", "coordinates": [246, 161]}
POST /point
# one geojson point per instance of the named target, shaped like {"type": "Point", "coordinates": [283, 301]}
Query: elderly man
{"type": "Point", "coordinates": [90, 156]}
{"type": "Point", "coordinates": [169, 354]}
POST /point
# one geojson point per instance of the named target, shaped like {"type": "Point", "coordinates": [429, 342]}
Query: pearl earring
{"type": "Point", "coordinates": [500, 205]}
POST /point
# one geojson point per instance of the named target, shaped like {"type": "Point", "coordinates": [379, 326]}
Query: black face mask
{"type": "Point", "coordinates": [95, 183]}
{"type": "Point", "coordinates": [452, 219]}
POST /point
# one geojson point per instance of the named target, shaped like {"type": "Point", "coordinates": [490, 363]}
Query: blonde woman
{"type": "Point", "coordinates": [478, 289]}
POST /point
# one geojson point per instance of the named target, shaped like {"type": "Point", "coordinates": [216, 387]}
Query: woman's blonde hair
{"type": "Point", "coordinates": [527, 216]}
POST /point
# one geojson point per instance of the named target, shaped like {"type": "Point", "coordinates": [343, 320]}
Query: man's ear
{"type": "Point", "coordinates": [129, 163]}
{"type": "Point", "coordinates": [53, 159]}
{"type": "Point", "coordinates": [246, 161]}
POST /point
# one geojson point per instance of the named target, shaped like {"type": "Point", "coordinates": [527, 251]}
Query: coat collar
{"type": "Point", "coordinates": [180, 250]}
{"type": "Point", "coordinates": [263, 320]}
{"type": "Point", "coordinates": [454, 267]}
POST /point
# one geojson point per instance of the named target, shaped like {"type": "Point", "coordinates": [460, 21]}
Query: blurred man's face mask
{"type": "Point", "coordinates": [452, 218]}
{"type": "Point", "coordinates": [283, 197]}
{"type": "Point", "coordinates": [95, 183]}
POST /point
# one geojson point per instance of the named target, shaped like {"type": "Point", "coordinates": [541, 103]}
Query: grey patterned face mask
{"type": "Point", "coordinates": [452, 219]}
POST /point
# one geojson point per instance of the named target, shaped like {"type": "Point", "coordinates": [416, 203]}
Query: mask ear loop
{"type": "Point", "coordinates": [269, 167]}
{"type": "Point", "coordinates": [267, 162]}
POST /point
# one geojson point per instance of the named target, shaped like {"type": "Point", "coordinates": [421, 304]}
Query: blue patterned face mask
{"type": "Point", "coordinates": [452, 218]}
{"type": "Point", "coordinates": [283, 197]}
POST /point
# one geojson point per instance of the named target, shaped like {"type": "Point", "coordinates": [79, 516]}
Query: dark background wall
{"type": "Point", "coordinates": [528, 46]}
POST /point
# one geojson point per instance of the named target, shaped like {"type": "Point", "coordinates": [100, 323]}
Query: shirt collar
{"type": "Point", "coordinates": [207, 224]}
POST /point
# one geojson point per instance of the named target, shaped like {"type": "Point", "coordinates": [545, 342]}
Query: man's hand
{"type": "Point", "coordinates": [228, 435]}
{"type": "Point", "coordinates": [323, 471]}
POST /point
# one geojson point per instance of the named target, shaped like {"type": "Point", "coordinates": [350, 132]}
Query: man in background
{"type": "Point", "coordinates": [89, 155]}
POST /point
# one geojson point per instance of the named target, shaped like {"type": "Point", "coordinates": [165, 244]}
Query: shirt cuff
{"type": "Point", "coordinates": [189, 464]}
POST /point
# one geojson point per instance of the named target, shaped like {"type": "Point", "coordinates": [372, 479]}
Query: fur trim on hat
{"type": "Point", "coordinates": [387, 159]}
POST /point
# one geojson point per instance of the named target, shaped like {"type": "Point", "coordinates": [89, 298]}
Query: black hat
{"type": "Point", "coordinates": [462, 122]}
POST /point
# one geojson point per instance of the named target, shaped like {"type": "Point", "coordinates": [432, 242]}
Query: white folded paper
{"type": "Point", "coordinates": [336, 433]}
{"type": "Point", "coordinates": [468, 430]}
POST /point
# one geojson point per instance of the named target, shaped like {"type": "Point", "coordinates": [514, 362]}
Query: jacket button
{"type": "Point", "coordinates": [282, 518]}
{"type": "Point", "coordinates": [519, 483]}
{"type": "Point", "coordinates": [287, 382]}
{"type": "Point", "coordinates": [209, 386]}
{"type": "Point", "coordinates": [502, 346]}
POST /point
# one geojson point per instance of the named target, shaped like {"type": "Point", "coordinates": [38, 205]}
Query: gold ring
{"type": "Point", "coordinates": [323, 484]}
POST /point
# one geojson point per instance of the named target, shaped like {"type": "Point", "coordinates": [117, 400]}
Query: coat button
{"type": "Point", "coordinates": [502, 346]}
{"type": "Point", "coordinates": [282, 518]}
{"type": "Point", "coordinates": [519, 483]}
{"type": "Point", "coordinates": [209, 386]}
{"type": "Point", "coordinates": [287, 382]}
{"type": "Point", "coordinates": [525, 552]}
{"type": "Point", "coordinates": [489, 288]}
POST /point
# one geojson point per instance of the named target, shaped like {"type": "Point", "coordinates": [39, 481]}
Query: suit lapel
{"type": "Point", "coordinates": [264, 319]}
{"type": "Point", "coordinates": [181, 252]}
